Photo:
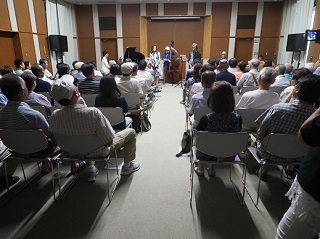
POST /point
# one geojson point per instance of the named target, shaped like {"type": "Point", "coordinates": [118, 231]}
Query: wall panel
{"type": "Point", "coordinates": [40, 15]}
{"type": "Point", "coordinates": [27, 47]}
{"type": "Point", "coordinates": [152, 9]}
{"type": "Point", "coordinates": [86, 49]}
{"type": "Point", "coordinates": [23, 16]}
{"type": "Point", "coordinates": [199, 9]}
{"type": "Point", "coordinates": [5, 23]}
{"type": "Point", "coordinates": [6, 42]}
{"type": "Point", "coordinates": [269, 47]}
{"type": "Point", "coordinates": [221, 17]}
{"type": "Point", "coordinates": [218, 45]}
{"type": "Point", "coordinates": [107, 10]}
{"type": "Point", "coordinates": [175, 8]}
{"type": "Point", "coordinates": [84, 20]}
{"type": "Point", "coordinates": [247, 8]}
{"type": "Point", "coordinates": [272, 19]}
{"type": "Point", "coordinates": [131, 20]}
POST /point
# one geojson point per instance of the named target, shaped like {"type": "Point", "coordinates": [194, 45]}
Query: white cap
{"type": "Point", "coordinates": [62, 90]}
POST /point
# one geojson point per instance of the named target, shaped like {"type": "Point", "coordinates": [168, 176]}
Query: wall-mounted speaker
{"type": "Point", "coordinates": [296, 42]}
{"type": "Point", "coordinates": [58, 43]}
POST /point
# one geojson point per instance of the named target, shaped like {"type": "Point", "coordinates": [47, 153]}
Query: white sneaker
{"type": "Point", "coordinates": [92, 172]}
{"type": "Point", "coordinates": [133, 167]}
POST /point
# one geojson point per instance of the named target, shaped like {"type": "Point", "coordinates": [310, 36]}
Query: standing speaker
{"type": "Point", "coordinates": [54, 41]}
{"type": "Point", "coordinates": [296, 42]}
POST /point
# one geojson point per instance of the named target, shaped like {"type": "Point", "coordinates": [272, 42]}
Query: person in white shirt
{"type": "Point", "coordinates": [48, 77]}
{"type": "Point", "coordinates": [281, 80]}
{"type": "Point", "coordinates": [145, 85]}
{"type": "Point", "coordinates": [233, 65]}
{"type": "Point", "coordinates": [105, 67]}
{"type": "Point", "coordinates": [262, 98]}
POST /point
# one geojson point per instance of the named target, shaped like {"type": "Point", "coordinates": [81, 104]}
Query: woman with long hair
{"type": "Point", "coordinates": [155, 62]}
{"type": "Point", "coordinates": [110, 96]}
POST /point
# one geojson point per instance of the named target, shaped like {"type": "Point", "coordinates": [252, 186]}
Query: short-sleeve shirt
{"type": "Point", "coordinates": [258, 99]}
{"type": "Point", "coordinates": [42, 86]}
{"type": "Point", "coordinates": [81, 120]}
{"type": "Point", "coordinates": [90, 86]}
{"type": "Point", "coordinates": [285, 118]}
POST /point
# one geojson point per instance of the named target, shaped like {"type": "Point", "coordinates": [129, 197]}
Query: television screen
{"type": "Point", "coordinates": [312, 35]}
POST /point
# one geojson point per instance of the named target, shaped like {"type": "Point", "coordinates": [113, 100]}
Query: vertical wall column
{"type": "Point", "coordinates": [190, 8]}
{"type": "Point", "coordinates": [257, 33]}
{"type": "Point", "coordinates": [233, 28]}
{"type": "Point", "coordinates": [34, 30]}
{"type": "Point", "coordinates": [160, 9]}
{"type": "Point", "coordinates": [96, 32]}
{"type": "Point", "coordinates": [119, 30]}
{"type": "Point", "coordinates": [12, 15]}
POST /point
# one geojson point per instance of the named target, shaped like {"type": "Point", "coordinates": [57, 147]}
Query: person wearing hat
{"type": "Point", "coordinates": [91, 84]}
{"type": "Point", "coordinates": [166, 57]}
{"type": "Point", "coordinates": [78, 119]}
{"type": "Point", "coordinates": [250, 78]}
{"type": "Point", "coordinates": [224, 74]}
{"type": "Point", "coordinates": [19, 115]}
{"type": "Point", "coordinates": [77, 72]}
{"type": "Point", "coordinates": [127, 84]}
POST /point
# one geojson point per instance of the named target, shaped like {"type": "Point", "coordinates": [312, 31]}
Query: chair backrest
{"type": "Point", "coordinates": [41, 109]}
{"type": "Point", "coordinates": [114, 115]}
{"type": "Point", "coordinates": [24, 141]}
{"type": "Point", "coordinates": [221, 145]}
{"type": "Point", "coordinates": [286, 146]}
{"type": "Point", "coordinates": [46, 94]}
{"type": "Point", "coordinates": [78, 144]}
{"type": "Point", "coordinates": [132, 99]}
{"type": "Point", "coordinates": [245, 89]}
{"type": "Point", "coordinates": [235, 89]}
{"type": "Point", "coordinates": [249, 116]}
{"type": "Point", "coordinates": [200, 112]}
{"type": "Point", "coordinates": [90, 99]}
{"type": "Point", "coordinates": [277, 89]}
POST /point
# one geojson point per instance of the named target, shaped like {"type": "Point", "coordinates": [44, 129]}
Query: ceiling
{"type": "Point", "coordinates": [84, 2]}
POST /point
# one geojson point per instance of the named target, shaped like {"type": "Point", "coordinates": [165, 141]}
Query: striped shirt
{"type": "Point", "coordinates": [285, 118]}
{"type": "Point", "coordinates": [19, 115]}
{"type": "Point", "coordinates": [81, 120]}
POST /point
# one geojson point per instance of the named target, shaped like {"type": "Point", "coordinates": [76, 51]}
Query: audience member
{"type": "Point", "coordinates": [77, 73]}
{"type": "Point", "coordinates": [33, 98]}
{"type": "Point", "coordinates": [303, 216]}
{"type": "Point", "coordinates": [233, 63]}
{"type": "Point", "coordinates": [200, 100]}
{"type": "Point", "coordinates": [286, 118]}
{"type": "Point", "coordinates": [110, 96]}
{"type": "Point", "coordinates": [240, 70]}
{"type": "Point", "coordinates": [224, 74]}
{"type": "Point", "coordinates": [18, 115]}
{"type": "Point", "coordinates": [115, 70]}
{"type": "Point", "coordinates": [261, 64]}
{"type": "Point", "coordinates": [5, 70]}
{"type": "Point", "coordinates": [317, 70]}
{"type": "Point", "coordinates": [19, 64]}
{"type": "Point", "coordinates": [223, 55]}
{"type": "Point", "coordinates": [95, 69]}
{"type": "Point", "coordinates": [281, 80]}
{"type": "Point", "coordinates": [27, 67]}
{"type": "Point", "coordinates": [197, 88]}
{"type": "Point", "coordinates": [286, 95]}
{"type": "Point", "coordinates": [145, 85]}
{"type": "Point", "coordinates": [91, 84]}
{"type": "Point", "coordinates": [126, 84]}
{"type": "Point", "coordinates": [41, 85]}
{"type": "Point", "coordinates": [262, 98]}
{"type": "Point", "coordinates": [222, 119]}
{"type": "Point", "coordinates": [268, 63]}
{"type": "Point", "coordinates": [194, 79]}
{"type": "Point", "coordinates": [47, 74]}
{"type": "Point", "coordinates": [81, 120]}
{"type": "Point", "coordinates": [288, 72]}
{"type": "Point", "coordinates": [250, 78]}
{"type": "Point", "coordinates": [311, 66]}
{"type": "Point", "coordinates": [142, 73]}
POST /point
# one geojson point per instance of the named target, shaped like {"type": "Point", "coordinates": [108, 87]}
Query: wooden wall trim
{"type": "Point", "coordinates": [143, 36]}
{"type": "Point", "coordinates": [207, 32]}
{"type": "Point", "coordinates": [23, 16]}
{"type": "Point", "coordinates": [5, 23]}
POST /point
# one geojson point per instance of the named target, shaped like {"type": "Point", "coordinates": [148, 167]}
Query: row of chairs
{"type": "Point", "coordinates": [221, 145]}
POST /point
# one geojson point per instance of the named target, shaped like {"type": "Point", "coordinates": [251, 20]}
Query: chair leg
{"type": "Point", "coordinates": [258, 191]}
{"type": "Point", "coordinates": [191, 182]}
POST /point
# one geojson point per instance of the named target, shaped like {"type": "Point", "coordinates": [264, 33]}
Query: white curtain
{"type": "Point", "coordinates": [297, 17]}
{"type": "Point", "coordinates": [61, 12]}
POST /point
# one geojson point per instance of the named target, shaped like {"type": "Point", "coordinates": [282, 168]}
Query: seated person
{"type": "Point", "coordinates": [262, 98]}
{"type": "Point", "coordinates": [115, 71]}
{"type": "Point", "coordinates": [222, 119]}
{"type": "Point", "coordinates": [200, 100]}
{"type": "Point", "coordinates": [19, 64]}
{"type": "Point", "coordinates": [76, 73]}
{"type": "Point", "coordinates": [286, 94]}
{"type": "Point", "coordinates": [5, 70]}
{"type": "Point", "coordinates": [197, 87]}
{"type": "Point", "coordinates": [33, 98]}
{"type": "Point", "coordinates": [92, 83]}
{"type": "Point", "coordinates": [18, 115]}
{"type": "Point", "coordinates": [81, 120]}
{"type": "Point", "coordinates": [224, 74]}
{"type": "Point", "coordinates": [47, 74]}
{"type": "Point", "coordinates": [281, 80]}
{"type": "Point", "coordinates": [194, 79]}
{"type": "Point", "coordinates": [142, 73]}
{"type": "Point", "coordinates": [249, 78]}
{"type": "Point", "coordinates": [110, 96]}
{"type": "Point", "coordinates": [240, 70]}
{"type": "Point", "coordinates": [286, 118]}
{"type": "Point", "coordinates": [41, 85]}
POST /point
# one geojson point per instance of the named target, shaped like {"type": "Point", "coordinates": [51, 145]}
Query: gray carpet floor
{"type": "Point", "coordinates": [153, 202]}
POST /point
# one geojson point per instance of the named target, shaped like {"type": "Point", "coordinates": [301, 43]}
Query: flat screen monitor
{"type": "Point", "coordinates": [312, 35]}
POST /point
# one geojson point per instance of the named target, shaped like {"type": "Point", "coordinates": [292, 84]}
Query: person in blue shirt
{"type": "Point", "coordinates": [166, 57]}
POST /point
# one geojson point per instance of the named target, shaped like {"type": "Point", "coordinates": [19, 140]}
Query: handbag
{"type": "Point", "coordinates": [146, 124]}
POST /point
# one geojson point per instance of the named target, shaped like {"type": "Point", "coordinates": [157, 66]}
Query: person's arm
{"type": "Point", "coordinates": [312, 122]}
{"type": "Point", "coordinates": [202, 123]}
{"type": "Point", "coordinates": [265, 121]}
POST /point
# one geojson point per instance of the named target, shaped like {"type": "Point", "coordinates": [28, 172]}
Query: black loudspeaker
{"type": "Point", "coordinates": [58, 43]}
{"type": "Point", "coordinates": [296, 42]}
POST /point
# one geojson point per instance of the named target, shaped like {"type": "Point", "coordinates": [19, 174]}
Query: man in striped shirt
{"type": "Point", "coordinates": [91, 85]}
{"type": "Point", "coordinates": [77, 119]}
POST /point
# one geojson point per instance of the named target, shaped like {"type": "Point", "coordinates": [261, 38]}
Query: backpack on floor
{"type": "Point", "coordinates": [185, 143]}
{"type": "Point", "coordinates": [136, 125]}
{"type": "Point", "coordinates": [146, 124]}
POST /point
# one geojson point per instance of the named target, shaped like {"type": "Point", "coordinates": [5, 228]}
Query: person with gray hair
{"type": "Point", "coordinates": [262, 98]}
{"type": "Point", "coordinates": [289, 69]}
{"type": "Point", "coordinates": [281, 80]}
{"type": "Point", "coordinates": [250, 78]}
